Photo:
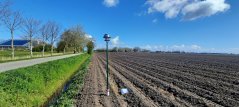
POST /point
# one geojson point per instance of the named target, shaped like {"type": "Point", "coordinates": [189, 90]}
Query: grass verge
{"type": "Point", "coordinates": [33, 86]}
{"type": "Point", "coordinates": [68, 97]}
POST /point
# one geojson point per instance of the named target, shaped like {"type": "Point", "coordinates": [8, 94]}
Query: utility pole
{"type": "Point", "coordinates": [107, 39]}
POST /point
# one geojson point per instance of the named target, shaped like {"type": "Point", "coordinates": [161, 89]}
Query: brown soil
{"type": "Point", "coordinates": [168, 80]}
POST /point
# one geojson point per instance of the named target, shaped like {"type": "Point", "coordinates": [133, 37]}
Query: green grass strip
{"type": "Point", "coordinates": [33, 86]}
{"type": "Point", "coordinates": [68, 98]}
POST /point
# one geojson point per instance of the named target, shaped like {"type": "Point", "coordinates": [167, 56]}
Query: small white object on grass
{"type": "Point", "coordinates": [124, 91]}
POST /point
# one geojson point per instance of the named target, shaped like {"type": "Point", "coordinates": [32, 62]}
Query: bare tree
{"type": "Point", "coordinates": [44, 35]}
{"type": "Point", "coordinates": [31, 28]}
{"type": "Point", "coordinates": [54, 30]}
{"type": "Point", "coordinates": [4, 8]}
{"type": "Point", "coordinates": [12, 20]}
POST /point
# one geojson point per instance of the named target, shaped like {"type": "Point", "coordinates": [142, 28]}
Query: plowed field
{"type": "Point", "coordinates": [162, 80]}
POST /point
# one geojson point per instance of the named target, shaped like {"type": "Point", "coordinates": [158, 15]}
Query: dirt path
{"type": "Point", "coordinates": [93, 93]}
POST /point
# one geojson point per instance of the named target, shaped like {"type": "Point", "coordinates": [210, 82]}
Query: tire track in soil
{"type": "Point", "coordinates": [229, 101]}
{"type": "Point", "coordinates": [164, 96]}
{"type": "Point", "coordinates": [145, 101]}
{"type": "Point", "coordinates": [128, 100]}
{"type": "Point", "coordinates": [93, 93]}
{"type": "Point", "coordinates": [222, 100]}
{"type": "Point", "coordinates": [89, 95]}
{"type": "Point", "coordinates": [169, 97]}
{"type": "Point", "coordinates": [154, 80]}
{"type": "Point", "coordinates": [106, 101]}
{"type": "Point", "coordinates": [114, 88]}
{"type": "Point", "coordinates": [189, 94]}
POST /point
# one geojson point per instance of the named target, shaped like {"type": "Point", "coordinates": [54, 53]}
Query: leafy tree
{"type": "Point", "coordinates": [78, 36]}
{"type": "Point", "coordinates": [100, 50]}
{"type": "Point", "coordinates": [61, 46]}
{"type": "Point", "coordinates": [137, 49]}
{"type": "Point", "coordinates": [115, 49]}
{"type": "Point", "coordinates": [145, 50]}
{"type": "Point", "coordinates": [67, 38]}
{"type": "Point", "coordinates": [39, 48]}
{"type": "Point", "coordinates": [121, 50]}
{"type": "Point", "coordinates": [75, 39]}
{"type": "Point", "coordinates": [90, 46]}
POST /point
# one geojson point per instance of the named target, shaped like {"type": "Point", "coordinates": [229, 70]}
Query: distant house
{"type": "Point", "coordinates": [18, 44]}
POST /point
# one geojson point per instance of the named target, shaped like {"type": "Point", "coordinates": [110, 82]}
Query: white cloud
{"type": "Point", "coordinates": [204, 8]}
{"type": "Point", "coordinates": [186, 48]}
{"type": "Point", "coordinates": [189, 9]}
{"type": "Point", "coordinates": [178, 46]}
{"type": "Point", "coordinates": [115, 41]}
{"type": "Point", "coordinates": [196, 47]}
{"type": "Point", "coordinates": [153, 47]}
{"type": "Point", "coordinates": [110, 3]}
{"type": "Point", "coordinates": [171, 8]}
{"type": "Point", "coordinates": [190, 48]}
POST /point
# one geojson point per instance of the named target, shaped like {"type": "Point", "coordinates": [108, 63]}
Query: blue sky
{"type": "Point", "coordinates": [186, 25]}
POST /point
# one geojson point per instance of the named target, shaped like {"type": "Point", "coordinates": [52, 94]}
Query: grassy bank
{"type": "Point", "coordinates": [68, 97]}
{"type": "Point", "coordinates": [32, 86]}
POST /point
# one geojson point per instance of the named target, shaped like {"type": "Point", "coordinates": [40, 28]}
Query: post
{"type": "Point", "coordinates": [107, 69]}
{"type": "Point", "coordinates": [107, 39]}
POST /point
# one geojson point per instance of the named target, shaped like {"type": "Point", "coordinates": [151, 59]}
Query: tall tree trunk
{"type": "Point", "coordinates": [12, 44]}
{"type": "Point", "coordinates": [52, 49]}
{"type": "Point", "coordinates": [52, 43]}
{"type": "Point", "coordinates": [43, 50]}
{"type": "Point", "coordinates": [64, 50]}
{"type": "Point", "coordinates": [66, 45]}
{"type": "Point", "coordinates": [31, 47]}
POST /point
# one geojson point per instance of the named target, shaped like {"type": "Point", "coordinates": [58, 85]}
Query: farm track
{"type": "Point", "coordinates": [166, 80]}
{"type": "Point", "coordinates": [93, 92]}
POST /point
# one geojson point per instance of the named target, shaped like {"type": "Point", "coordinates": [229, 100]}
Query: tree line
{"type": "Point", "coordinates": [72, 39]}
{"type": "Point", "coordinates": [123, 49]}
